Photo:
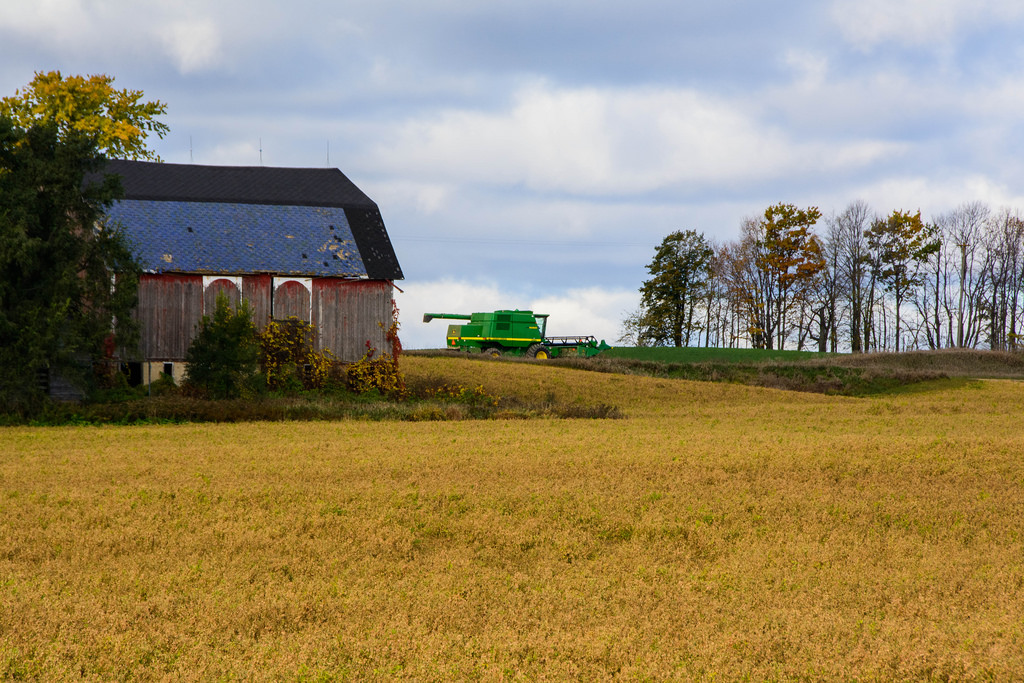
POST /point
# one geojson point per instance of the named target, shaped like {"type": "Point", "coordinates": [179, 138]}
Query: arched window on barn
{"type": "Point", "coordinates": [292, 298]}
{"type": "Point", "coordinates": [213, 286]}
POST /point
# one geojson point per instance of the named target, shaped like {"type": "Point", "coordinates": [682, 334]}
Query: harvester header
{"type": "Point", "coordinates": [427, 317]}
{"type": "Point", "coordinates": [515, 333]}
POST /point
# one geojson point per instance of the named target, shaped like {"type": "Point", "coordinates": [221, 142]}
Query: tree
{"type": "Point", "coordinates": [846, 233]}
{"type": "Point", "coordinates": [748, 286]}
{"type": "Point", "coordinates": [716, 298]}
{"type": "Point", "coordinates": [828, 289]}
{"type": "Point", "coordinates": [223, 357]}
{"type": "Point", "coordinates": [117, 120]}
{"type": "Point", "coordinates": [901, 243]}
{"type": "Point", "coordinates": [68, 281]}
{"type": "Point", "coordinates": [775, 263]}
{"type": "Point", "coordinates": [679, 272]}
{"type": "Point", "coordinates": [963, 230]}
{"type": "Point", "coordinates": [633, 327]}
{"type": "Point", "coordinates": [792, 258]}
{"type": "Point", "coordinates": [1003, 269]}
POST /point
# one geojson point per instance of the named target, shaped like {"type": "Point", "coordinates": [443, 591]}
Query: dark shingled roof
{"type": "Point", "coordinates": [243, 219]}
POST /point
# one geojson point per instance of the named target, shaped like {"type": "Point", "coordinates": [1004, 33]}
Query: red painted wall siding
{"type": "Point", "coordinates": [347, 313]}
{"type": "Point", "coordinates": [256, 290]}
{"type": "Point", "coordinates": [350, 313]}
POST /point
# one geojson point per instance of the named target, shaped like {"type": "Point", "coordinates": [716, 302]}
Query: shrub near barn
{"type": "Point", "coordinates": [223, 358]}
{"type": "Point", "coordinates": [230, 358]}
{"type": "Point", "coordinates": [287, 358]}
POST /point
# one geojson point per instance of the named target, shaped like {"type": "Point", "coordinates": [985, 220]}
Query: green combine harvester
{"type": "Point", "coordinates": [513, 333]}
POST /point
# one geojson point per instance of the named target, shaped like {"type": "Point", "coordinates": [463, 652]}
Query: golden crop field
{"type": "Point", "coordinates": [716, 533]}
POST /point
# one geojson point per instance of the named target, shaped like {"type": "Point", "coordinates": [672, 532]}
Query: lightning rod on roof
{"type": "Point", "coordinates": [328, 154]}
{"type": "Point", "coordinates": [261, 151]}
{"type": "Point", "coordinates": [191, 159]}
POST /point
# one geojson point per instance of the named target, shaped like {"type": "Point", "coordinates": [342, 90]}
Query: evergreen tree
{"type": "Point", "coordinates": [680, 273]}
{"type": "Point", "coordinates": [68, 281]}
{"type": "Point", "coordinates": [223, 357]}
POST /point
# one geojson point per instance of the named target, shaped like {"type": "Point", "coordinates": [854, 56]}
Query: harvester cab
{"type": "Point", "coordinates": [515, 333]}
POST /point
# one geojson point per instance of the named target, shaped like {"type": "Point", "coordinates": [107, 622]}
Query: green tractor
{"type": "Point", "coordinates": [513, 333]}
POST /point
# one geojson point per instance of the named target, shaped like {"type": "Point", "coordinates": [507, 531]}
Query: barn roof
{"type": "Point", "coordinates": [309, 222]}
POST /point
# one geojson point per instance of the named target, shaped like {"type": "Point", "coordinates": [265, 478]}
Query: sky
{"type": "Point", "coordinates": [533, 154]}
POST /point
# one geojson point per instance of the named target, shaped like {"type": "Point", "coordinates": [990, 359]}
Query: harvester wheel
{"type": "Point", "coordinates": [493, 352]}
{"type": "Point", "coordinates": [538, 351]}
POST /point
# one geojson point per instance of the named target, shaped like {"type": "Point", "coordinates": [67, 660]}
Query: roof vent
{"type": "Point", "coordinates": [303, 256]}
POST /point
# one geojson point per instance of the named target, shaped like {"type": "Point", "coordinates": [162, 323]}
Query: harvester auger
{"type": "Point", "coordinates": [514, 333]}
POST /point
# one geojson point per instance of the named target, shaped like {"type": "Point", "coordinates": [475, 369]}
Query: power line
{"type": "Point", "coordinates": [509, 241]}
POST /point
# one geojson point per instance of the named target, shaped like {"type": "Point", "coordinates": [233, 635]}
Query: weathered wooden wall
{"type": "Point", "coordinates": [169, 309]}
{"type": "Point", "coordinates": [256, 290]}
{"type": "Point", "coordinates": [347, 313]}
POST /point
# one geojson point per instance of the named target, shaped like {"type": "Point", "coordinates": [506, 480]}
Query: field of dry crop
{"type": "Point", "coordinates": [717, 532]}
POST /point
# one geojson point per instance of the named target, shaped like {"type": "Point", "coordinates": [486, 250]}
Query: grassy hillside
{"type": "Point", "coordinates": [844, 374]}
{"type": "Point", "coordinates": [952, 362]}
{"type": "Point", "coordinates": [440, 396]}
{"type": "Point", "coordinates": [839, 374]}
{"type": "Point", "coordinates": [721, 531]}
{"type": "Point", "coordinates": [667, 354]}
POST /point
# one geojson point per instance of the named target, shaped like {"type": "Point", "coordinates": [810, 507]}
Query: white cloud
{"type": "Point", "coordinates": [193, 44]}
{"type": "Point", "coordinates": [188, 32]}
{"type": "Point", "coordinates": [601, 141]}
{"type": "Point", "coordinates": [866, 23]}
{"type": "Point", "coordinates": [56, 21]}
{"type": "Point", "coordinates": [423, 198]}
{"type": "Point", "coordinates": [521, 171]}
{"type": "Point", "coordinates": [810, 68]}
{"type": "Point", "coordinates": [929, 195]}
{"type": "Point", "coordinates": [237, 153]}
{"type": "Point", "coordinates": [591, 310]}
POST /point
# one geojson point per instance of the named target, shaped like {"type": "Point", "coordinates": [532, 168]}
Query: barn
{"type": "Point", "coordinates": [302, 242]}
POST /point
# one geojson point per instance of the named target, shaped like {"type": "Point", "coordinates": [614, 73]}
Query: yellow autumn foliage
{"type": "Point", "coordinates": [287, 353]}
{"type": "Point", "coordinates": [91, 105]}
